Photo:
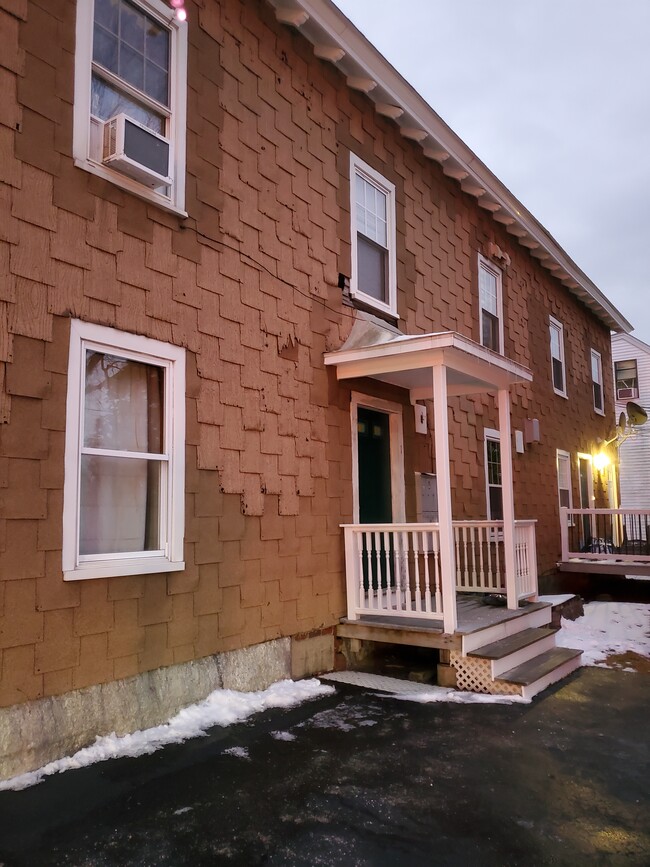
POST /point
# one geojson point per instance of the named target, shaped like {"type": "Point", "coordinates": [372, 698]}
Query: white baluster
{"type": "Point", "coordinates": [427, 578]}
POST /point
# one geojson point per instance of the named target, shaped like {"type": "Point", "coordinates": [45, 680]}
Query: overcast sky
{"type": "Point", "coordinates": [554, 97]}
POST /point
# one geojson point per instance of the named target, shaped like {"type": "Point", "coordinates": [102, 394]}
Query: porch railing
{"type": "Point", "coordinates": [606, 534]}
{"type": "Point", "coordinates": [394, 569]}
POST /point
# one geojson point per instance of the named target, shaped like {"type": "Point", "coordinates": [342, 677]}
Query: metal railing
{"type": "Point", "coordinates": [622, 535]}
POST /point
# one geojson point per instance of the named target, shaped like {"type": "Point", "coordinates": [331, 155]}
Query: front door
{"type": "Point", "coordinates": [373, 450]}
{"type": "Point", "coordinates": [375, 494]}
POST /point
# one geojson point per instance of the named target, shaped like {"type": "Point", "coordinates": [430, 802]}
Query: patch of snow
{"type": "Point", "coordinates": [239, 752]}
{"type": "Point", "coordinates": [607, 628]}
{"type": "Point", "coordinates": [182, 810]}
{"type": "Point", "coordinates": [558, 599]}
{"type": "Point", "coordinates": [443, 693]}
{"type": "Point", "coordinates": [223, 707]}
{"type": "Point", "coordinates": [283, 736]}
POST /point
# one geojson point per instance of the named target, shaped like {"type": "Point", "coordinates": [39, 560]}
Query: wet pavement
{"type": "Point", "coordinates": [362, 779]}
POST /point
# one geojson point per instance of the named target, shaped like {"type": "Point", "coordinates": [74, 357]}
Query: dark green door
{"type": "Point", "coordinates": [375, 496]}
{"type": "Point", "coordinates": [375, 499]}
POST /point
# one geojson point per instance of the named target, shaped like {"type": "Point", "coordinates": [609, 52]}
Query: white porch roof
{"type": "Point", "coordinates": [406, 360]}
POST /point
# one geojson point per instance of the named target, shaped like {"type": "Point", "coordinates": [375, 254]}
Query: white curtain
{"type": "Point", "coordinates": [120, 495]}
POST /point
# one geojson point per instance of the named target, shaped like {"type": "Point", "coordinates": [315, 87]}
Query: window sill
{"type": "Point", "coordinates": [599, 411]}
{"type": "Point", "coordinates": [131, 186]}
{"type": "Point", "coordinates": [367, 302]}
{"type": "Point", "coordinates": [114, 569]}
{"type": "Point", "coordinates": [561, 393]}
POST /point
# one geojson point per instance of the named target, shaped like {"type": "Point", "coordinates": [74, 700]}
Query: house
{"type": "Point", "coordinates": [254, 291]}
{"type": "Point", "coordinates": [631, 359]}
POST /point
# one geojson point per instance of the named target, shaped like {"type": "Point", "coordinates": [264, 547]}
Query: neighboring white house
{"type": "Point", "coordinates": [631, 360]}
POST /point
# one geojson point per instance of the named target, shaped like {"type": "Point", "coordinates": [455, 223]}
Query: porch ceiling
{"type": "Point", "coordinates": [407, 361]}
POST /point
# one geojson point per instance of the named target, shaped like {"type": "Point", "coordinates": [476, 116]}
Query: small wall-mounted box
{"type": "Point", "coordinates": [531, 430]}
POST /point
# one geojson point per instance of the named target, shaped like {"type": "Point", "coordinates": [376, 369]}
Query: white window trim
{"type": "Point", "coordinates": [159, 10]}
{"type": "Point", "coordinates": [394, 412]}
{"type": "Point", "coordinates": [146, 350]}
{"type": "Point", "coordinates": [595, 355]}
{"type": "Point", "coordinates": [490, 434]}
{"type": "Point", "coordinates": [358, 167]}
{"type": "Point", "coordinates": [493, 269]}
{"type": "Point", "coordinates": [553, 322]}
{"type": "Point", "coordinates": [560, 454]}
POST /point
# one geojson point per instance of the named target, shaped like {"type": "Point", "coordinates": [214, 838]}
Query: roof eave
{"type": "Point", "coordinates": [338, 41]}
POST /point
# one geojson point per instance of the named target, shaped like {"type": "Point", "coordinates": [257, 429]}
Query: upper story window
{"type": "Point", "coordinates": [558, 366]}
{"type": "Point", "coordinates": [124, 455]}
{"type": "Point", "coordinates": [130, 96]}
{"type": "Point", "coordinates": [493, 479]}
{"type": "Point", "coordinates": [597, 381]}
{"type": "Point", "coordinates": [372, 207]}
{"type": "Point", "coordinates": [490, 304]}
{"type": "Point", "coordinates": [627, 380]}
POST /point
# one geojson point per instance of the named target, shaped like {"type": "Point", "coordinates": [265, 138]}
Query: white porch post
{"type": "Point", "coordinates": [443, 479]}
{"type": "Point", "coordinates": [505, 442]}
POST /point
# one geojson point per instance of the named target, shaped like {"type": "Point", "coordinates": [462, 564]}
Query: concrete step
{"type": "Point", "coordinates": [515, 650]}
{"type": "Point", "coordinates": [543, 670]}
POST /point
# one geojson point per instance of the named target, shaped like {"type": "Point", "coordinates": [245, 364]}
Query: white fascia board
{"type": "Point", "coordinates": [423, 350]}
{"type": "Point", "coordinates": [326, 17]}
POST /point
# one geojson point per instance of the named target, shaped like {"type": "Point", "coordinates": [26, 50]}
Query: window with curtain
{"type": "Point", "coordinates": [122, 458]}
{"type": "Point", "coordinates": [124, 503]}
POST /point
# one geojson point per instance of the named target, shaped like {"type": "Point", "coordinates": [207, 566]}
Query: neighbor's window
{"type": "Point", "coordinates": [564, 478]}
{"type": "Point", "coordinates": [490, 305]}
{"type": "Point", "coordinates": [124, 490]}
{"type": "Point", "coordinates": [627, 381]}
{"type": "Point", "coordinates": [558, 367]}
{"type": "Point", "coordinates": [131, 60]}
{"type": "Point", "coordinates": [597, 381]}
{"type": "Point", "coordinates": [373, 238]}
{"type": "Point", "coordinates": [494, 484]}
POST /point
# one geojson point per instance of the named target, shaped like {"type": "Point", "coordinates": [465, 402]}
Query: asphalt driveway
{"type": "Point", "coordinates": [362, 779]}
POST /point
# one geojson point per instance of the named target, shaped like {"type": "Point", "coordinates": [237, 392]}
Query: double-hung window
{"type": "Point", "coordinates": [558, 366]}
{"type": "Point", "coordinates": [374, 268]}
{"type": "Point", "coordinates": [490, 305]}
{"type": "Point", "coordinates": [493, 478]}
{"type": "Point", "coordinates": [124, 455]}
{"type": "Point", "coordinates": [130, 96]}
{"type": "Point", "coordinates": [563, 460]}
{"type": "Point", "coordinates": [597, 381]}
{"type": "Point", "coordinates": [627, 380]}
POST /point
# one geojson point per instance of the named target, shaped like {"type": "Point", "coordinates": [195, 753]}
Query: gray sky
{"type": "Point", "coordinates": [554, 97]}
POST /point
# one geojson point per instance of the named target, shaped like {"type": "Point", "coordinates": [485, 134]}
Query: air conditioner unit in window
{"type": "Point", "coordinates": [626, 393]}
{"type": "Point", "coordinates": [136, 151]}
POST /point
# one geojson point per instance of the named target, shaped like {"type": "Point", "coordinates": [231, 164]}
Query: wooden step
{"type": "Point", "coordinates": [513, 643]}
{"type": "Point", "coordinates": [538, 668]}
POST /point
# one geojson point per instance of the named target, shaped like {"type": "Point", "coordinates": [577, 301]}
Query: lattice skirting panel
{"type": "Point", "coordinates": [474, 675]}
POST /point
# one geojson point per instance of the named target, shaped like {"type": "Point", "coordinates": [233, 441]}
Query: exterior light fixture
{"type": "Point", "coordinates": [601, 462]}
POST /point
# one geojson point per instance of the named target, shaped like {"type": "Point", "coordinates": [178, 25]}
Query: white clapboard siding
{"type": "Point", "coordinates": [635, 452]}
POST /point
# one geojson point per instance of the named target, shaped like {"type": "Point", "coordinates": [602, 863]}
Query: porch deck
{"type": "Point", "coordinates": [473, 616]}
{"type": "Point", "coordinates": [605, 541]}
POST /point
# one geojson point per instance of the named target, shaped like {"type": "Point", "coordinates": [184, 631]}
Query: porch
{"type": "Point", "coordinates": [415, 570]}
{"type": "Point", "coordinates": [605, 541]}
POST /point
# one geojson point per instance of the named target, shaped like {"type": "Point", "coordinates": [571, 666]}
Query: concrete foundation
{"type": "Point", "coordinates": [38, 732]}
